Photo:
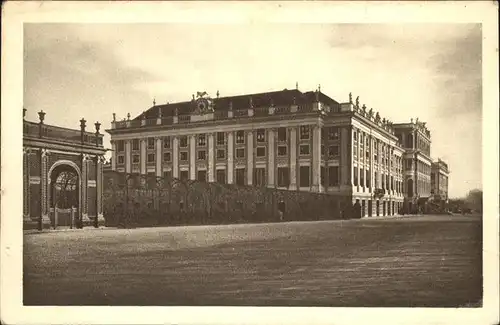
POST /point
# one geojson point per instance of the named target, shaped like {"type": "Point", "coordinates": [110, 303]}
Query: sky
{"type": "Point", "coordinates": [403, 71]}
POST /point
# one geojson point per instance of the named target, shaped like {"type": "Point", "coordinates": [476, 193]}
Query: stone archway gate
{"type": "Point", "coordinates": [45, 147]}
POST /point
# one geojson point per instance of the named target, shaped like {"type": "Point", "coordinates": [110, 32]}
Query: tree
{"type": "Point", "coordinates": [474, 200]}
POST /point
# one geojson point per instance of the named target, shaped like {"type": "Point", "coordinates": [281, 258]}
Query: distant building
{"type": "Point", "coordinates": [416, 141]}
{"type": "Point", "coordinates": [283, 139]}
{"type": "Point", "coordinates": [439, 180]}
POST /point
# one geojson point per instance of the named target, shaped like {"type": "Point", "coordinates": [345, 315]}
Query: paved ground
{"type": "Point", "coordinates": [410, 261]}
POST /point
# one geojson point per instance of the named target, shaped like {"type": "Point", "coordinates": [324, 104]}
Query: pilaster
{"type": "Point", "coordinates": [211, 157]}
{"type": "Point", "coordinates": [113, 155]}
{"type": "Point", "coordinates": [175, 158]}
{"type": "Point", "coordinates": [158, 156]}
{"type": "Point", "coordinates": [293, 158]}
{"type": "Point", "coordinates": [128, 157]}
{"type": "Point", "coordinates": [192, 157]}
{"type": "Point", "coordinates": [230, 157]}
{"type": "Point", "coordinates": [250, 157]}
{"type": "Point", "coordinates": [271, 166]}
{"type": "Point", "coordinates": [44, 211]}
{"type": "Point", "coordinates": [26, 185]}
{"type": "Point", "coordinates": [143, 145]}
{"type": "Point", "coordinates": [316, 159]}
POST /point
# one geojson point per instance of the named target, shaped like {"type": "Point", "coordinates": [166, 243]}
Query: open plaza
{"type": "Point", "coordinates": [431, 260]}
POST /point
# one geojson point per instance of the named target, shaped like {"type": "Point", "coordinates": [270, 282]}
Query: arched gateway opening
{"type": "Point", "coordinates": [64, 198]}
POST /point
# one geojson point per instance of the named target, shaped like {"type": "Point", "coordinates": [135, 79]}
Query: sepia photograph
{"type": "Point", "coordinates": [253, 163]}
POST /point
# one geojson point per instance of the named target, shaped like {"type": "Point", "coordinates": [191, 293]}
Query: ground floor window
{"type": "Point", "coordinates": [304, 179]}
{"type": "Point", "coordinates": [221, 176]}
{"type": "Point", "coordinates": [240, 176]}
{"type": "Point", "coordinates": [283, 177]}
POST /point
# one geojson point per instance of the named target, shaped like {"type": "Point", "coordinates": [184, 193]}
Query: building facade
{"type": "Point", "coordinates": [62, 175]}
{"type": "Point", "coordinates": [284, 139]}
{"type": "Point", "coordinates": [416, 141]}
{"type": "Point", "coordinates": [439, 180]}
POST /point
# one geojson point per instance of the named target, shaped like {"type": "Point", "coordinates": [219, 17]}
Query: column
{"type": "Point", "coordinates": [113, 155]}
{"type": "Point", "coordinates": [84, 183]}
{"type": "Point", "coordinates": [230, 157]}
{"type": "Point", "coordinates": [351, 157]}
{"type": "Point", "coordinates": [99, 160]}
{"type": "Point", "coordinates": [159, 170]}
{"type": "Point", "coordinates": [345, 162]}
{"type": "Point", "coordinates": [175, 158]}
{"type": "Point", "coordinates": [192, 157]}
{"type": "Point", "coordinates": [128, 157]}
{"type": "Point", "coordinates": [26, 185]}
{"type": "Point", "coordinates": [316, 159]}
{"type": "Point", "coordinates": [44, 215]}
{"type": "Point", "coordinates": [250, 153]}
{"type": "Point", "coordinates": [143, 144]}
{"type": "Point", "coordinates": [293, 158]}
{"type": "Point", "coordinates": [211, 155]}
{"type": "Point", "coordinates": [270, 158]}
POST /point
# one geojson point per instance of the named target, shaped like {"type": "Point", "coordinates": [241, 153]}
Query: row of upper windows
{"type": "Point", "coordinates": [333, 151]}
{"type": "Point", "coordinates": [304, 134]}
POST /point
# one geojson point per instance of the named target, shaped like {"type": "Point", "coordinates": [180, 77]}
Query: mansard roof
{"type": "Point", "coordinates": [278, 98]}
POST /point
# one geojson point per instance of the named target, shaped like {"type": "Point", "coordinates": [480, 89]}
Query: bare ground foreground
{"type": "Point", "coordinates": [412, 261]}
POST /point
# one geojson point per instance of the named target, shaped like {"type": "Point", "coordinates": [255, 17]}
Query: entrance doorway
{"type": "Point", "coordinates": [64, 196]}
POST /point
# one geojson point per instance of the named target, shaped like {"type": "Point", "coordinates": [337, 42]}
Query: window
{"type": "Point", "coordinates": [368, 179]}
{"type": "Point", "coordinates": [167, 174]}
{"type": "Point", "coordinates": [355, 135]}
{"type": "Point", "coordinates": [361, 177]}
{"type": "Point", "coordinates": [166, 142]}
{"type": "Point", "coordinates": [283, 177]}
{"type": "Point", "coordinates": [202, 175]}
{"type": "Point", "coordinates": [323, 176]}
{"type": "Point", "coordinates": [135, 144]}
{"type": "Point", "coordinates": [202, 155]}
{"type": "Point", "coordinates": [282, 150]}
{"type": "Point", "coordinates": [151, 143]}
{"type": "Point", "coordinates": [282, 134]}
{"type": "Point", "coordinates": [221, 176]}
{"type": "Point", "coordinates": [304, 176]}
{"type": "Point", "coordinates": [184, 156]}
{"type": "Point", "coordinates": [259, 176]}
{"type": "Point", "coordinates": [221, 153]}
{"type": "Point", "coordinates": [240, 137]}
{"type": "Point", "coordinates": [261, 135]}
{"type": "Point", "coordinates": [184, 175]}
{"type": "Point", "coordinates": [202, 140]}
{"type": "Point", "coordinates": [333, 151]}
{"type": "Point", "coordinates": [261, 151]}
{"type": "Point", "coordinates": [167, 156]}
{"type": "Point", "coordinates": [135, 159]}
{"type": "Point", "coordinates": [322, 149]}
{"type": "Point", "coordinates": [333, 133]}
{"type": "Point", "coordinates": [120, 146]}
{"type": "Point", "coordinates": [240, 153]}
{"type": "Point", "coordinates": [375, 179]}
{"type": "Point", "coordinates": [221, 138]}
{"type": "Point", "coordinates": [304, 132]}
{"type": "Point", "coordinates": [151, 157]}
{"type": "Point", "coordinates": [355, 176]}
{"type": "Point", "coordinates": [304, 149]}
{"type": "Point", "coordinates": [333, 175]}
{"type": "Point", "coordinates": [240, 176]}
{"type": "Point", "coordinates": [183, 142]}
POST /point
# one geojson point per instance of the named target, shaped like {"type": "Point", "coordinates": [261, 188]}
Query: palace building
{"type": "Point", "coordinates": [293, 140]}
